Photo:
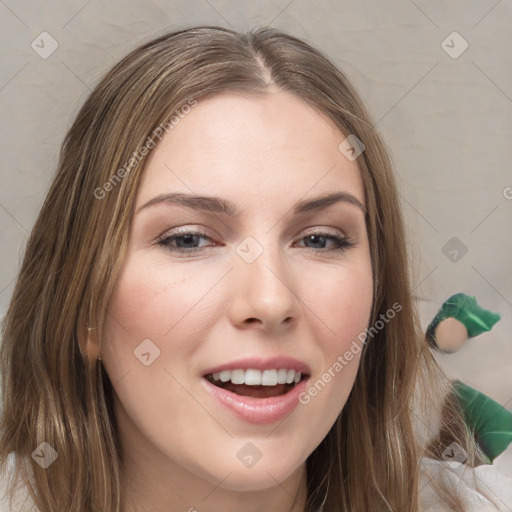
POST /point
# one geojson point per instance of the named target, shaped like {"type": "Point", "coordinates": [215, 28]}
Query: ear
{"type": "Point", "coordinates": [88, 341]}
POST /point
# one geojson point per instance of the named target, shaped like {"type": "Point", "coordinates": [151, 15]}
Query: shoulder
{"type": "Point", "coordinates": [483, 488]}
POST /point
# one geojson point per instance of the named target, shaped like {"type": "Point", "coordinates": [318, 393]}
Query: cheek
{"type": "Point", "coordinates": [344, 303]}
{"type": "Point", "coordinates": [344, 307]}
{"type": "Point", "coordinates": [146, 304]}
{"type": "Point", "coordinates": [166, 304]}
{"type": "Point", "coordinates": [148, 300]}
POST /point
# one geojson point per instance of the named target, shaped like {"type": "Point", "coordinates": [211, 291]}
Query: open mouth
{"type": "Point", "coordinates": [255, 391]}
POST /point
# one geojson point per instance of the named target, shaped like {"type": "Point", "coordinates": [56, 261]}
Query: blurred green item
{"type": "Point", "coordinates": [465, 309]}
{"type": "Point", "coordinates": [490, 421]}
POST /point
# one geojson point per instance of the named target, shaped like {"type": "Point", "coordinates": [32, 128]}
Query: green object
{"type": "Point", "coordinates": [465, 309]}
{"type": "Point", "coordinates": [491, 422]}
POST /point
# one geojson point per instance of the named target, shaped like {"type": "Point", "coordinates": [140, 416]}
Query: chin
{"type": "Point", "coordinates": [244, 479]}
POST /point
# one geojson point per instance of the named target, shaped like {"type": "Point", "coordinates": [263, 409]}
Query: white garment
{"type": "Point", "coordinates": [492, 482]}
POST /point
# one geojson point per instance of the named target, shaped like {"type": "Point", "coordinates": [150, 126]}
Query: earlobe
{"type": "Point", "coordinates": [88, 341]}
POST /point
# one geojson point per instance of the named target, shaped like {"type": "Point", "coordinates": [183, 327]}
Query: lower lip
{"type": "Point", "coordinates": [258, 411]}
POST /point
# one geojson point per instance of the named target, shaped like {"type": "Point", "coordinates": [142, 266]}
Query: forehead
{"type": "Point", "coordinates": [267, 145]}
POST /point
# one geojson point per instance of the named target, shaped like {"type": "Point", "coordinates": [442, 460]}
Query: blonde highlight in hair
{"type": "Point", "coordinates": [54, 392]}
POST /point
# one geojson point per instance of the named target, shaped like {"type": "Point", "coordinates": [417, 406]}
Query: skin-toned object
{"type": "Point", "coordinates": [451, 335]}
{"type": "Point", "coordinates": [99, 278]}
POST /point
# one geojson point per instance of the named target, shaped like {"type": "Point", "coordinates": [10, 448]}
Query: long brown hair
{"type": "Point", "coordinates": [52, 392]}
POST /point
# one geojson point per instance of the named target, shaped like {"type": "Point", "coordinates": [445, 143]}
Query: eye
{"type": "Point", "coordinates": [185, 242]}
{"type": "Point", "coordinates": [340, 242]}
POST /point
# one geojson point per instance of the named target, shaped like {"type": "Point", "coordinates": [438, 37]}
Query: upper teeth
{"type": "Point", "coordinates": [254, 377]}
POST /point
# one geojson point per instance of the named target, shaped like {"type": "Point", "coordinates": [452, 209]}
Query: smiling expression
{"type": "Point", "coordinates": [259, 272]}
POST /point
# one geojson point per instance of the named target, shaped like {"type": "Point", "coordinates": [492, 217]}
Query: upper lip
{"type": "Point", "coordinates": [258, 363]}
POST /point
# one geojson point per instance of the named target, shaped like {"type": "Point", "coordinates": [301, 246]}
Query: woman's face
{"type": "Point", "coordinates": [262, 284]}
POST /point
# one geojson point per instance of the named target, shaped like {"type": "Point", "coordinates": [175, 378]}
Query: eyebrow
{"type": "Point", "coordinates": [226, 207]}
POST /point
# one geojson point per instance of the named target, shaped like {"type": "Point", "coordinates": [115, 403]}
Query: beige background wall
{"type": "Point", "coordinates": [447, 120]}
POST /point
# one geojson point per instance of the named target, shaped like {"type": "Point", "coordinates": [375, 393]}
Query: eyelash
{"type": "Point", "coordinates": [341, 243]}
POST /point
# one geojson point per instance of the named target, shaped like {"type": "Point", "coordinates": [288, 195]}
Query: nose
{"type": "Point", "coordinates": [262, 290]}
